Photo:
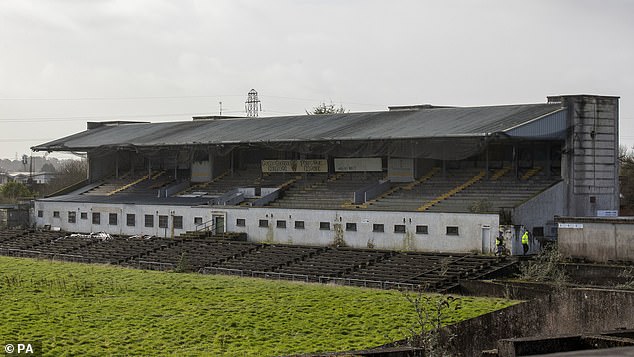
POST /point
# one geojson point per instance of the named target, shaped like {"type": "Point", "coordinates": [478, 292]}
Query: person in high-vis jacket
{"type": "Point", "coordinates": [499, 244]}
{"type": "Point", "coordinates": [525, 242]}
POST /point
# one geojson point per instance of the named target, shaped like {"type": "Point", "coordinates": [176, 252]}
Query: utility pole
{"type": "Point", "coordinates": [252, 105]}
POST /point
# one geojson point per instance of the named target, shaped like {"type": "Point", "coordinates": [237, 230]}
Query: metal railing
{"type": "Point", "coordinates": [206, 226]}
{"type": "Point", "coordinates": [152, 265]}
{"type": "Point", "coordinates": [378, 284]}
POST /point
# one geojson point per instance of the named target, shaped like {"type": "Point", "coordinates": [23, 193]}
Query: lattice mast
{"type": "Point", "coordinates": [252, 105]}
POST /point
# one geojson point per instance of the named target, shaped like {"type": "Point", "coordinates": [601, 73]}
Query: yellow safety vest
{"type": "Point", "coordinates": [525, 238]}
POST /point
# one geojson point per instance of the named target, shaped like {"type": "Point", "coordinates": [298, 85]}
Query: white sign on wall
{"type": "Point", "coordinates": [400, 170]}
{"type": "Point", "coordinates": [570, 225]}
{"type": "Point", "coordinates": [358, 164]}
{"type": "Point", "coordinates": [607, 213]}
{"type": "Point", "coordinates": [294, 166]}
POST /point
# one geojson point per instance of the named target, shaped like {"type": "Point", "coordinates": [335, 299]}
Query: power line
{"type": "Point", "coordinates": [12, 140]}
{"type": "Point", "coordinates": [120, 98]}
{"type": "Point", "coordinates": [113, 117]}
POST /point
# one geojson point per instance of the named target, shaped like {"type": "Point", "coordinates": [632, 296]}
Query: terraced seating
{"type": "Point", "coordinates": [120, 250]}
{"type": "Point", "coordinates": [249, 177]}
{"type": "Point", "coordinates": [68, 244]}
{"type": "Point", "coordinates": [322, 192]}
{"type": "Point", "coordinates": [199, 253]}
{"type": "Point", "coordinates": [149, 186]}
{"type": "Point", "coordinates": [410, 197]}
{"type": "Point", "coordinates": [269, 257]}
{"type": "Point", "coordinates": [113, 185]}
{"type": "Point", "coordinates": [435, 272]}
{"type": "Point", "coordinates": [504, 192]}
{"type": "Point", "coordinates": [334, 262]}
{"type": "Point", "coordinates": [26, 240]}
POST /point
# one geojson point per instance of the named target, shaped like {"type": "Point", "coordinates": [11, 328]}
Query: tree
{"type": "Point", "coordinates": [11, 191]}
{"type": "Point", "coordinates": [69, 173]}
{"type": "Point", "coordinates": [48, 167]}
{"type": "Point", "coordinates": [626, 165]}
{"type": "Point", "coordinates": [324, 108]}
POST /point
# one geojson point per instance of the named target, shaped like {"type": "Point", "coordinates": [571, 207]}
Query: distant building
{"type": "Point", "coordinates": [23, 177]}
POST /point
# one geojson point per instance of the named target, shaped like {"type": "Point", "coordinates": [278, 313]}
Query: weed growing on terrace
{"type": "Point", "coordinates": [545, 268]}
{"type": "Point", "coordinates": [628, 275]}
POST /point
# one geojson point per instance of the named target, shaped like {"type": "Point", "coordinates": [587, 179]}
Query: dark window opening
{"type": "Point", "coordinates": [96, 218]}
{"type": "Point", "coordinates": [422, 230]}
{"type": "Point", "coordinates": [163, 221]}
{"type": "Point", "coordinates": [178, 222]}
{"type": "Point", "coordinates": [378, 227]}
{"type": "Point", "coordinates": [149, 220]}
{"type": "Point", "coordinates": [452, 230]}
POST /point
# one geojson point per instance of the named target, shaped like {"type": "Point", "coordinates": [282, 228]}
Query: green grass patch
{"type": "Point", "coordinates": [90, 310]}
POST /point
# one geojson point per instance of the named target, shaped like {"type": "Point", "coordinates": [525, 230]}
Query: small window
{"type": "Point", "coordinates": [263, 223]}
{"type": "Point", "coordinates": [56, 214]}
{"type": "Point", "coordinates": [112, 219]}
{"type": "Point", "coordinates": [84, 215]}
{"type": "Point", "coordinates": [452, 231]}
{"type": "Point", "coordinates": [163, 221]}
{"type": "Point", "coordinates": [352, 227]}
{"type": "Point", "coordinates": [299, 225]}
{"type": "Point", "coordinates": [149, 221]}
{"type": "Point", "coordinates": [399, 228]}
{"type": "Point", "coordinates": [178, 222]}
{"type": "Point", "coordinates": [198, 220]}
{"type": "Point", "coordinates": [241, 222]}
{"type": "Point", "coordinates": [72, 216]}
{"type": "Point", "coordinates": [324, 226]}
{"type": "Point", "coordinates": [130, 220]}
{"type": "Point", "coordinates": [96, 218]}
{"type": "Point", "coordinates": [40, 213]}
{"type": "Point", "coordinates": [378, 227]}
{"type": "Point", "coordinates": [422, 230]}
{"type": "Point", "coordinates": [280, 224]}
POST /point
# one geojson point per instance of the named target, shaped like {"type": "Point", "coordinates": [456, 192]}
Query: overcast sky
{"type": "Point", "coordinates": [66, 62]}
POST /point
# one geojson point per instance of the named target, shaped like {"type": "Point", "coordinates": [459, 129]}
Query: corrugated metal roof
{"type": "Point", "coordinates": [418, 124]}
{"type": "Point", "coordinates": [550, 126]}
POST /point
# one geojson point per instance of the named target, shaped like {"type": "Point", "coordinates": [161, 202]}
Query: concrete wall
{"type": "Point", "coordinates": [596, 239]}
{"type": "Point", "coordinates": [475, 231]}
{"type": "Point", "coordinates": [541, 209]}
{"type": "Point", "coordinates": [575, 311]}
{"type": "Point", "coordinates": [590, 155]}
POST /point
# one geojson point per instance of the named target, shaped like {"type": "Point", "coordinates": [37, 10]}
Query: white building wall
{"type": "Point", "coordinates": [475, 231]}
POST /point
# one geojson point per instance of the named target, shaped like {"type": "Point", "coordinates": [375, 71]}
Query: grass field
{"type": "Point", "coordinates": [90, 310]}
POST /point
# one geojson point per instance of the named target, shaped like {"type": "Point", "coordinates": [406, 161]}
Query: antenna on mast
{"type": "Point", "coordinates": [252, 105]}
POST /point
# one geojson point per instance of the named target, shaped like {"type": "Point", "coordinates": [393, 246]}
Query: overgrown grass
{"type": "Point", "coordinates": [91, 310]}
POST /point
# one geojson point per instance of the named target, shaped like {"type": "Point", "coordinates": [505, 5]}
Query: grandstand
{"type": "Point", "coordinates": [415, 178]}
